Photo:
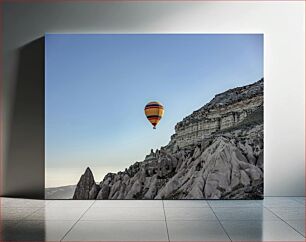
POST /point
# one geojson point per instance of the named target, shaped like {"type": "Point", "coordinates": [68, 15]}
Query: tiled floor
{"type": "Point", "coordinates": [273, 219]}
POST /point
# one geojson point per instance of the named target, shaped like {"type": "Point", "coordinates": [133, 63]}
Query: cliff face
{"type": "Point", "coordinates": [224, 111]}
{"type": "Point", "coordinates": [215, 153]}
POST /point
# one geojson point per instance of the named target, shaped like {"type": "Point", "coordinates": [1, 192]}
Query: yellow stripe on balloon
{"type": "Point", "coordinates": [154, 111]}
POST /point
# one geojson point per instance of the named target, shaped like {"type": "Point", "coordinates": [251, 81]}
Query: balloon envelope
{"type": "Point", "coordinates": [154, 112]}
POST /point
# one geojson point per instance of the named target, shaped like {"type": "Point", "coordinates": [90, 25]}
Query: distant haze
{"type": "Point", "coordinates": [64, 192]}
{"type": "Point", "coordinates": [98, 84]}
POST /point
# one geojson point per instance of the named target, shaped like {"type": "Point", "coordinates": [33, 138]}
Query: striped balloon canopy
{"type": "Point", "coordinates": [154, 112]}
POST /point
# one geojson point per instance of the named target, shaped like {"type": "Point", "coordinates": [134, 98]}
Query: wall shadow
{"type": "Point", "coordinates": [28, 230]}
{"type": "Point", "coordinates": [24, 169]}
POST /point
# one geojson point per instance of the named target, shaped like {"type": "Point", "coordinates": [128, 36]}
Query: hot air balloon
{"type": "Point", "coordinates": [154, 112]}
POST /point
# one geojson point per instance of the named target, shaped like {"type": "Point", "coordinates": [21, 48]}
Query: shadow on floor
{"type": "Point", "coordinates": [23, 170]}
{"type": "Point", "coordinates": [23, 231]}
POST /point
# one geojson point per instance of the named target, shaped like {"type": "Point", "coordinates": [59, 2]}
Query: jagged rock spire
{"type": "Point", "coordinates": [86, 188]}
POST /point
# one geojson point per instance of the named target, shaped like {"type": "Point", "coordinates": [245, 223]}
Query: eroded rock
{"type": "Point", "coordinates": [215, 153]}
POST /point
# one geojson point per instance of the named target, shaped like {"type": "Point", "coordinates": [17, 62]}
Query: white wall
{"type": "Point", "coordinates": [283, 24]}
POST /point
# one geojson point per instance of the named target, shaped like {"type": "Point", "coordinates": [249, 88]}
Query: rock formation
{"type": "Point", "coordinates": [215, 153]}
{"type": "Point", "coordinates": [86, 187]}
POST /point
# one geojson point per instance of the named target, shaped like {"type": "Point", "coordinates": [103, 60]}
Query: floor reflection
{"type": "Point", "coordinates": [273, 219]}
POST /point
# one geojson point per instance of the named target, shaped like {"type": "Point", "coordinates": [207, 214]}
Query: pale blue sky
{"type": "Point", "coordinates": [98, 84]}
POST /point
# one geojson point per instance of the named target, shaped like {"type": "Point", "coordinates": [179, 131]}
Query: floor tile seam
{"type": "Point", "coordinates": [284, 206]}
{"type": "Point", "coordinates": [20, 221]}
{"type": "Point", "coordinates": [185, 207]}
{"type": "Point", "coordinates": [73, 225]}
{"type": "Point", "coordinates": [297, 200]}
{"type": "Point", "coordinates": [286, 223]}
{"type": "Point", "coordinates": [160, 220]}
{"type": "Point", "coordinates": [150, 220]}
{"type": "Point", "coordinates": [165, 219]}
{"type": "Point", "coordinates": [296, 220]}
{"type": "Point", "coordinates": [60, 203]}
{"type": "Point", "coordinates": [204, 208]}
{"type": "Point", "coordinates": [270, 209]}
{"type": "Point", "coordinates": [73, 207]}
{"type": "Point", "coordinates": [236, 207]}
{"type": "Point", "coordinates": [220, 223]}
{"type": "Point", "coordinates": [58, 206]}
{"type": "Point", "coordinates": [196, 220]}
{"type": "Point", "coordinates": [253, 220]}
{"type": "Point", "coordinates": [216, 208]}
{"type": "Point", "coordinates": [128, 207]}
{"type": "Point", "coordinates": [110, 220]}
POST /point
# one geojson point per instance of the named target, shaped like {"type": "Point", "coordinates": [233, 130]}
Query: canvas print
{"type": "Point", "coordinates": [154, 116]}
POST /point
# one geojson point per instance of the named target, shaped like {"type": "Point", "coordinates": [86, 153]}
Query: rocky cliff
{"type": "Point", "coordinates": [215, 153]}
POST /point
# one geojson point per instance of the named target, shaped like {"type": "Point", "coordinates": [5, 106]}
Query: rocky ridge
{"type": "Point", "coordinates": [215, 153]}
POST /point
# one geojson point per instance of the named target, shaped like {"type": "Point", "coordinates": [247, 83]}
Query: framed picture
{"type": "Point", "coordinates": [154, 116]}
